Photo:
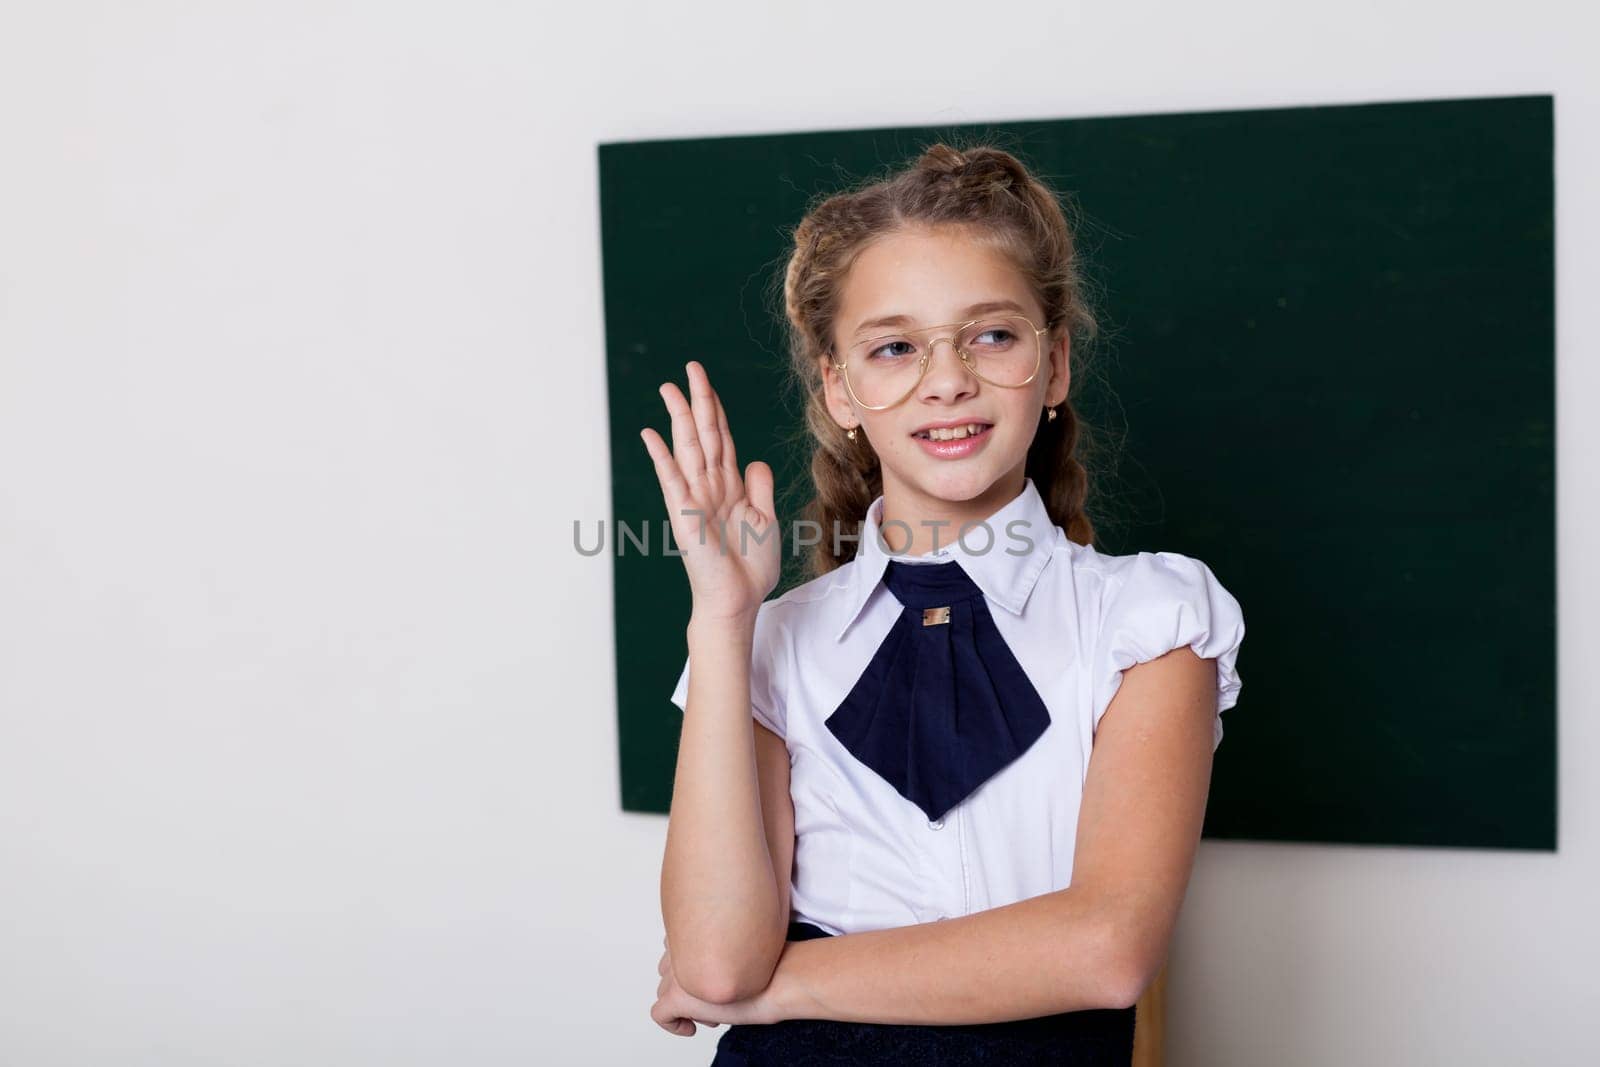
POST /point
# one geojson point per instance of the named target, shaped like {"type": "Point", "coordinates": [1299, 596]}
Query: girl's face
{"type": "Point", "coordinates": [932, 277]}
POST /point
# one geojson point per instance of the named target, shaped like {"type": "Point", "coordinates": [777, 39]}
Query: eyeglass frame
{"type": "Point", "coordinates": [927, 357]}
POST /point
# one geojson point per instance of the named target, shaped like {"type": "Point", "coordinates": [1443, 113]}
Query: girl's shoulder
{"type": "Point", "coordinates": [810, 596]}
{"type": "Point", "coordinates": [786, 632]}
{"type": "Point", "coordinates": [1150, 603]}
{"type": "Point", "coordinates": [1148, 597]}
{"type": "Point", "coordinates": [1140, 573]}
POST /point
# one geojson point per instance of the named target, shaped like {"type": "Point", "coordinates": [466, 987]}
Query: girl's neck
{"type": "Point", "coordinates": [935, 523]}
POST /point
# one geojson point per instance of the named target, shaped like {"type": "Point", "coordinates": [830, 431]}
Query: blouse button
{"type": "Point", "coordinates": [935, 824]}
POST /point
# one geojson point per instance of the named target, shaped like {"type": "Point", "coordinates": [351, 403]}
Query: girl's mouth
{"type": "Point", "coordinates": [953, 442]}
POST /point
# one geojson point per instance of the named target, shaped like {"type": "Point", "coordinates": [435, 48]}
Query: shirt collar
{"type": "Point", "coordinates": [1004, 560]}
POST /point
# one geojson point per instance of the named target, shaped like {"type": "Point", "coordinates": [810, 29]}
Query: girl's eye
{"type": "Point", "coordinates": [1005, 337]}
{"type": "Point", "coordinates": [884, 351]}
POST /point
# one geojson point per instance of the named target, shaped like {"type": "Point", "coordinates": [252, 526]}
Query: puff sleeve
{"type": "Point", "coordinates": [1156, 603]}
{"type": "Point", "coordinates": [765, 704]}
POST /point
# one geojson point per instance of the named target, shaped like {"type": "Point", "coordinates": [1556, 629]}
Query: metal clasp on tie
{"type": "Point", "coordinates": [935, 616]}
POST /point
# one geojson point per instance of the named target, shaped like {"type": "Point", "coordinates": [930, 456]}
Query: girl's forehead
{"type": "Point", "coordinates": [921, 243]}
{"type": "Point", "coordinates": [926, 279]}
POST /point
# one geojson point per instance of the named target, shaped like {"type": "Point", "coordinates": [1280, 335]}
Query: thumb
{"type": "Point", "coordinates": [758, 484]}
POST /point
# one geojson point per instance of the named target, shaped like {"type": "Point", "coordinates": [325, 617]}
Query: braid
{"type": "Point", "coordinates": [847, 478]}
{"type": "Point", "coordinates": [1061, 478]}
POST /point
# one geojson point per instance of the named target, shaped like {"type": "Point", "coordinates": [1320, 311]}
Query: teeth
{"type": "Point", "coordinates": [952, 433]}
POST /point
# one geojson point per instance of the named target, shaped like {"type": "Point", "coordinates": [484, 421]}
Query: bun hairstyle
{"type": "Point", "coordinates": [992, 194]}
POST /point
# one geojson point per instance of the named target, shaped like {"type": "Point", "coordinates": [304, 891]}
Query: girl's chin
{"type": "Point", "coordinates": [954, 482]}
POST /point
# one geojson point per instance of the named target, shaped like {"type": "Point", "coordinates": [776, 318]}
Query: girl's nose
{"type": "Point", "coordinates": [947, 377]}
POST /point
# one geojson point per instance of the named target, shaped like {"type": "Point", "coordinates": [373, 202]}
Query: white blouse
{"type": "Point", "coordinates": [866, 858]}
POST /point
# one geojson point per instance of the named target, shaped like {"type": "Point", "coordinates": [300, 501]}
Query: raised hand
{"type": "Point", "coordinates": [725, 525]}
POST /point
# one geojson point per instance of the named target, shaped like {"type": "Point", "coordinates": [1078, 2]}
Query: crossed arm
{"type": "Point", "coordinates": [1097, 943]}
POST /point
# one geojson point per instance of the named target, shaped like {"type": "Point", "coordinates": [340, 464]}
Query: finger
{"type": "Point", "coordinates": [704, 400]}
{"type": "Point", "coordinates": [730, 458]}
{"type": "Point", "coordinates": [674, 490]}
{"type": "Point", "coordinates": [685, 438]}
{"type": "Point", "coordinates": [758, 484]}
{"type": "Point", "coordinates": [672, 1024]}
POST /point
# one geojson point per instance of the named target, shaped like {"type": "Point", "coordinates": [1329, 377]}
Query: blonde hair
{"type": "Point", "coordinates": [990, 193]}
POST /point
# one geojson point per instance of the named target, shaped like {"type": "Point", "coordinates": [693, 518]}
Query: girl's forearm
{"type": "Point", "coordinates": [719, 894]}
{"type": "Point", "coordinates": [1052, 953]}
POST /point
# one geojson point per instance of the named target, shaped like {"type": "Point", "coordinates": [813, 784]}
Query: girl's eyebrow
{"type": "Point", "coordinates": [982, 308]}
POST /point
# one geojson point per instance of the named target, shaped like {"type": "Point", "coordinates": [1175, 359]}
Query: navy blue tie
{"type": "Point", "coordinates": [943, 705]}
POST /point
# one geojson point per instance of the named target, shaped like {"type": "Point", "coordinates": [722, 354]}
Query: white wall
{"type": "Point", "coordinates": [307, 736]}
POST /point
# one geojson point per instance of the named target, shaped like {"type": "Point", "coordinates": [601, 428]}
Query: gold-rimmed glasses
{"type": "Point", "coordinates": [1003, 350]}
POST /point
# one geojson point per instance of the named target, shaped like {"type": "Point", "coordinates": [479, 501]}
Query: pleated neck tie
{"type": "Point", "coordinates": [943, 705]}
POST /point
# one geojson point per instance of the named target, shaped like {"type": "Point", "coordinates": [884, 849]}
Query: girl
{"type": "Point", "coordinates": [909, 855]}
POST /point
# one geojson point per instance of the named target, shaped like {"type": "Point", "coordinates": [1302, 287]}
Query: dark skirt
{"type": "Point", "coordinates": [1092, 1038]}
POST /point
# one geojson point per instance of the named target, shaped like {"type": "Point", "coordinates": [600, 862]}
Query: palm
{"type": "Point", "coordinates": [724, 524]}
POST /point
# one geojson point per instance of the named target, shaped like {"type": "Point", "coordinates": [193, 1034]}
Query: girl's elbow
{"type": "Point", "coordinates": [730, 972]}
{"type": "Point", "coordinates": [1129, 962]}
{"type": "Point", "coordinates": [724, 984]}
{"type": "Point", "coordinates": [1124, 986]}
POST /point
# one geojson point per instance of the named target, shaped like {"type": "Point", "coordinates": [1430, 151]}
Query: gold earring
{"type": "Point", "coordinates": [1052, 412]}
{"type": "Point", "coordinates": [851, 433]}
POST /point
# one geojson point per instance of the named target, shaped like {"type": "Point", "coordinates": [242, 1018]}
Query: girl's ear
{"type": "Point", "coordinates": [833, 391]}
{"type": "Point", "coordinates": [1060, 382]}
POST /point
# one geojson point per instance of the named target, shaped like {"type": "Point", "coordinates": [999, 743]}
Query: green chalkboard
{"type": "Point", "coordinates": [1329, 368]}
